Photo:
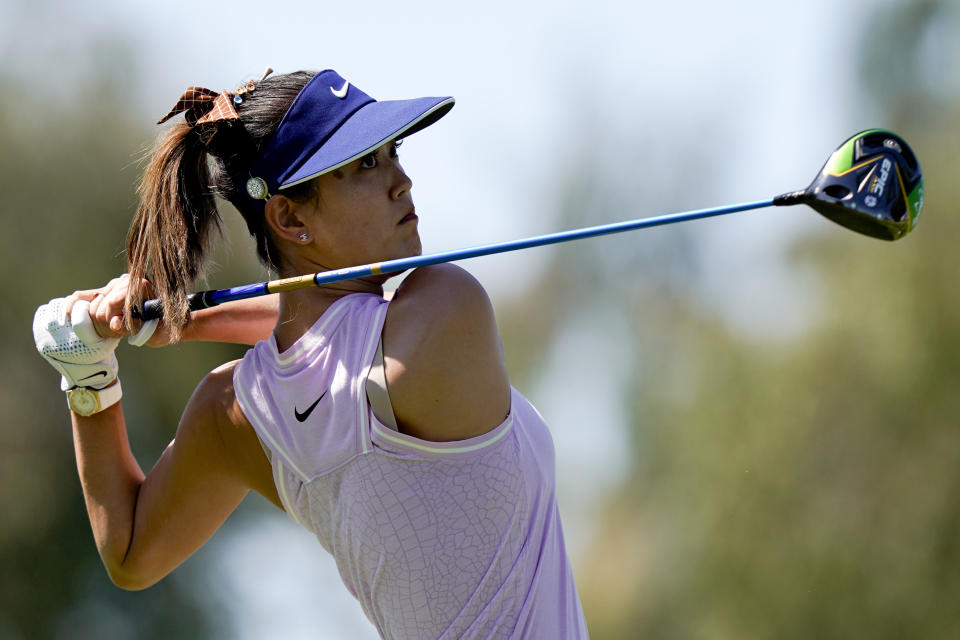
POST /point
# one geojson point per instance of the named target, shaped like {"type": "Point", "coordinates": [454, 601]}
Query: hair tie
{"type": "Point", "coordinates": [203, 106]}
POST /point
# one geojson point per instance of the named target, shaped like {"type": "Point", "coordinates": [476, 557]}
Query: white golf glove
{"type": "Point", "coordinates": [73, 347]}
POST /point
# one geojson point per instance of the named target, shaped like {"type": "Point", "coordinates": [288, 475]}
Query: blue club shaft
{"type": "Point", "coordinates": [205, 299]}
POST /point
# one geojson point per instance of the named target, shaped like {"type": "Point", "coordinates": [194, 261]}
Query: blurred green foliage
{"type": "Point", "coordinates": [68, 179]}
{"type": "Point", "coordinates": [808, 488]}
{"type": "Point", "coordinates": [813, 489]}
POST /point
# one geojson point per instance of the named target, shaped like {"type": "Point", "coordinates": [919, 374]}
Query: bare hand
{"type": "Point", "coordinates": [106, 310]}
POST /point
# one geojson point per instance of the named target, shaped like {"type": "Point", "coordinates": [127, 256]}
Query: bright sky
{"type": "Point", "coordinates": [754, 79]}
{"type": "Point", "coordinates": [764, 88]}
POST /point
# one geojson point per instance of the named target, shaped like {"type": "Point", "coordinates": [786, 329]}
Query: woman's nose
{"type": "Point", "coordinates": [402, 183]}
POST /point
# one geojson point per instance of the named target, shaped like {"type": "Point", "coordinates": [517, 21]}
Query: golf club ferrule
{"type": "Point", "coordinates": [790, 199]}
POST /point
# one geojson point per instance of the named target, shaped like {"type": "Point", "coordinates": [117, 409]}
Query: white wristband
{"type": "Point", "coordinates": [146, 332]}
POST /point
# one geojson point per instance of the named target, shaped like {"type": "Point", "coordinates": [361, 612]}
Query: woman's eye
{"type": "Point", "coordinates": [368, 161]}
{"type": "Point", "coordinates": [395, 148]}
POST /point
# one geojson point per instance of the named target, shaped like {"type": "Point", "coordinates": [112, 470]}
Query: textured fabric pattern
{"type": "Point", "coordinates": [436, 540]}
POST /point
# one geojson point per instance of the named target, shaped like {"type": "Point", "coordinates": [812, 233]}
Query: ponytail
{"type": "Point", "coordinates": [191, 165]}
{"type": "Point", "coordinates": [171, 230]}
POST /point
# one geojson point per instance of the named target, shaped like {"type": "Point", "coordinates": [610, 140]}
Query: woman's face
{"type": "Point", "coordinates": [364, 213]}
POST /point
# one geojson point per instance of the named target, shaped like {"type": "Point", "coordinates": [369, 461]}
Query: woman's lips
{"type": "Point", "coordinates": [407, 218]}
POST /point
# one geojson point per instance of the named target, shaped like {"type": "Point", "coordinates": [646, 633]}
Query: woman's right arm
{"type": "Point", "coordinates": [239, 322]}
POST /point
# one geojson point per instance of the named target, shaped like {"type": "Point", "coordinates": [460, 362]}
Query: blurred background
{"type": "Point", "coordinates": [756, 417]}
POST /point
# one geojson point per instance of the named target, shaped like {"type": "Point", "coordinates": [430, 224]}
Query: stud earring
{"type": "Point", "coordinates": [304, 236]}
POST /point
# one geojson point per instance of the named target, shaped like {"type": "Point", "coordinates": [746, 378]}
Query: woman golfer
{"type": "Point", "coordinates": [387, 428]}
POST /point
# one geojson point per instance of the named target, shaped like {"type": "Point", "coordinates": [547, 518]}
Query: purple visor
{"type": "Point", "coordinates": [332, 123]}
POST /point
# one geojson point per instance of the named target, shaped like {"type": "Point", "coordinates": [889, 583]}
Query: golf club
{"type": "Point", "coordinates": [871, 184]}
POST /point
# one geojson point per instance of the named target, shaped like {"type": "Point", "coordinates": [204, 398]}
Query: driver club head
{"type": "Point", "coordinates": [871, 184]}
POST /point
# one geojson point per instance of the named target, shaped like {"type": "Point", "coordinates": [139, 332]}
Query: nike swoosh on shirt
{"type": "Point", "coordinates": [94, 375]}
{"type": "Point", "coordinates": [301, 417]}
{"type": "Point", "coordinates": [342, 92]}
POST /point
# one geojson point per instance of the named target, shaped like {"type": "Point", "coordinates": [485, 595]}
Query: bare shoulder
{"type": "Point", "coordinates": [213, 402]}
{"type": "Point", "coordinates": [446, 289]}
{"type": "Point", "coordinates": [216, 388]}
{"type": "Point", "coordinates": [444, 359]}
{"type": "Point", "coordinates": [232, 442]}
{"type": "Point", "coordinates": [440, 306]}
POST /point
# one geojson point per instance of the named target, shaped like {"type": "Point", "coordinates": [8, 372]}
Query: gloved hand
{"type": "Point", "coordinates": [72, 346]}
{"type": "Point", "coordinates": [109, 300]}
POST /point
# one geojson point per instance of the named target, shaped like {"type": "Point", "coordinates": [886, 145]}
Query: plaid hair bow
{"type": "Point", "coordinates": [203, 106]}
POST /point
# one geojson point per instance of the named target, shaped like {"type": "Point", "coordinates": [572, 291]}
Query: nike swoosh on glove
{"type": "Point", "coordinates": [87, 362]}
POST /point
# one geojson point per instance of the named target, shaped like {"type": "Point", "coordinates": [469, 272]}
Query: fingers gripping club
{"type": "Point", "coordinates": [83, 358]}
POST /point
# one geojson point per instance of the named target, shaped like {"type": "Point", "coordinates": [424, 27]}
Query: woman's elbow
{"type": "Point", "coordinates": [131, 580]}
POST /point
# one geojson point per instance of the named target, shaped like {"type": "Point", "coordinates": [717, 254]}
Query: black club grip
{"type": "Point", "coordinates": [153, 309]}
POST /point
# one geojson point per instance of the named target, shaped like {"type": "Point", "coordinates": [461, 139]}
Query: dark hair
{"type": "Point", "coordinates": [189, 168]}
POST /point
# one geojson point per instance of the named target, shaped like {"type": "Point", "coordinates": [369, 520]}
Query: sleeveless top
{"type": "Point", "coordinates": [435, 539]}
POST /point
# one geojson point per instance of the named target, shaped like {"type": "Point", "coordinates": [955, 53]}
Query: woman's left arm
{"type": "Point", "coordinates": [146, 525]}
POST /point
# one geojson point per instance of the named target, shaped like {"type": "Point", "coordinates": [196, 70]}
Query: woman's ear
{"type": "Point", "coordinates": [283, 216]}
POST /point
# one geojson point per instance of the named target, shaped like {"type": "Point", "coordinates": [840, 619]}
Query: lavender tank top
{"type": "Point", "coordinates": [435, 539]}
